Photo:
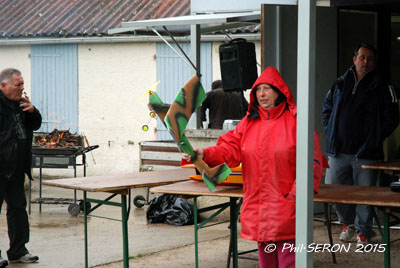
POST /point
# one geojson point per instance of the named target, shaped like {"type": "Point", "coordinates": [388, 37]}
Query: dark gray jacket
{"type": "Point", "coordinates": [16, 124]}
{"type": "Point", "coordinates": [382, 104]}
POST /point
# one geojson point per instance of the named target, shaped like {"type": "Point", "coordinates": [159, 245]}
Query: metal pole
{"type": "Point", "coordinates": [190, 63]}
{"type": "Point", "coordinates": [327, 211]}
{"type": "Point", "coordinates": [195, 55]}
{"type": "Point", "coordinates": [125, 230]}
{"type": "Point", "coordinates": [84, 164]}
{"type": "Point", "coordinates": [386, 237]}
{"type": "Point", "coordinates": [180, 48]}
{"type": "Point", "coordinates": [233, 215]}
{"type": "Point", "coordinates": [40, 184]}
{"type": "Point", "coordinates": [74, 163]}
{"type": "Point", "coordinates": [196, 249]}
{"type": "Point", "coordinates": [86, 231]}
{"type": "Point", "coordinates": [305, 130]}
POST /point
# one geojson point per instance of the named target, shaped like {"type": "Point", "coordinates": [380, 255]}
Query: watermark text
{"type": "Point", "coordinates": [315, 247]}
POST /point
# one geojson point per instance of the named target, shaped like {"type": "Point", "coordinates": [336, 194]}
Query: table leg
{"type": "Point", "coordinates": [386, 237]}
{"type": "Point", "coordinates": [86, 231]}
{"type": "Point", "coordinates": [124, 220]}
{"type": "Point", "coordinates": [233, 205]}
{"type": "Point", "coordinates": [196, 249]}
{"type": "Point", "coordinates": [40, 185]}
{"type": "Point", "coordinates": [125, 230]}
{"type": "Point", "coordinates": [74, 177]}
{"type": "Point", "coordinates": [197, 226]}
{"type": "Point", "coordinates": [328, 225]}
{"type": "Point", "coordinates": [228, 261]}
{"type": "Point", "coordinates": [84, 164]}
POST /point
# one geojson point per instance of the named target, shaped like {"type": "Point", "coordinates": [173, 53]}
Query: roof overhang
{"type": "Point", "coordinates": [181, 25]}
{"type": "Point", "coordinates": [345, 3]}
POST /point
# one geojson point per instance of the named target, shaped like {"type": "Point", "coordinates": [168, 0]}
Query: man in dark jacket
{"type": "Point", "coordinates": [222, 105]}
{"type": "Point", "coordinates": [360, 111]}
{"type": "Point", "coordinates": [18, 119]}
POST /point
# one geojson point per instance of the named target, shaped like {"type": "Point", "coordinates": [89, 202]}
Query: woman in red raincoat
{"type": "Point", "coordinates": [264, 142]}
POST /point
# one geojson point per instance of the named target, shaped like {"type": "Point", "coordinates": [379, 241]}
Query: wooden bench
{"type": "Point", "coordinates": [159, 155]}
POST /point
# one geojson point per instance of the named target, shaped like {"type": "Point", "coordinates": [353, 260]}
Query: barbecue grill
{"type": "Point", "coordinates": [58, 155]}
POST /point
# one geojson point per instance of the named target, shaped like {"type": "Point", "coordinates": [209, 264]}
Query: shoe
{"type": "Point", "coordinates": [3, 262]}
{"type": "Point", "coordinates": [27, 258]}
{"type": "Point", "coordinates": [362, 239]}
{"type": "Point", "coordinates": [347, 233]}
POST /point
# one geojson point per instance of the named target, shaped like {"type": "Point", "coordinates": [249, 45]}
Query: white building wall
{"type": "Point", "coordinates": [112, 80]}
{"type": "Point", "coordinates": [17, 57]}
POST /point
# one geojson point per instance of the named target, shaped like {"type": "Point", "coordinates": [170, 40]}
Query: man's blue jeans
{"type": "Point", "coordinates": [346, 169]}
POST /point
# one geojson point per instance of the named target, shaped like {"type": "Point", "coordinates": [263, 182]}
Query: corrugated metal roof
{"type": "Point", "coordinates": [64, 18]}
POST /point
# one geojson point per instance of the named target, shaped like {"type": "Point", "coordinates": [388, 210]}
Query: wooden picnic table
{"type": "Point", "coordinates": [118, 185]}
{"type": "Point", "coordinates": [328, 193]}
{"type": "Point", "coordinates": [112, 183]}
{"type": "Point", "coordinates": [376, 196]}
{"type": "Point", "coordinates": [389, 165]}
{"type": "Point", "coordinates": [360, 195]}
{"type": "Point", "coordinates": [194, 189]}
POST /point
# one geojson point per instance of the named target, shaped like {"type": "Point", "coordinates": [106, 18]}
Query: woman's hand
{"type": "Point", "coordinates": [199, 152]}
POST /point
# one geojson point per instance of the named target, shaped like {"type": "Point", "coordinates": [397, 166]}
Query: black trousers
{"type": "Point", "coordinates": [13, 192]}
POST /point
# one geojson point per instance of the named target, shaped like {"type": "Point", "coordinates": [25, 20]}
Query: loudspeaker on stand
{"type": "Point", "coordinates": [238, 64]}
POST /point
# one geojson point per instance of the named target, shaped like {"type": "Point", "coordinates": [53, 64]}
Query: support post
{"type": "Point", "coordinates": [195, 55]}
{"type": "Point", "coordinates": [271, 36]}
{"type": "Point", "coordinates": [305, 130]}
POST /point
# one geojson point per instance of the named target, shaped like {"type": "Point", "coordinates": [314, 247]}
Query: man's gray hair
{"type": "Point", "coordinates": [8, 73]}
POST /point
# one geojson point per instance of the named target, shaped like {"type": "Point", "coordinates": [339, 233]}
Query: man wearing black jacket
{"type": "Point", "coordinates": [360, 111]}
{"type": "Point", "coordinates": [222, 105]}
{"type": "Point", "coordinates": [18, 119]}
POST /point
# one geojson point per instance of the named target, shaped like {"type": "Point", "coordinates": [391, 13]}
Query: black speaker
{"type": "Point", "coordinates": [238, 64]}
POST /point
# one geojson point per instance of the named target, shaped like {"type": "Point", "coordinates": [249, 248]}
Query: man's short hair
{"type": "Point", "coordinates": [216, 84]}
{"type": "Point", "coordinates": [8, 73]}
{"type": "Point", "coordinates": [367, 46]}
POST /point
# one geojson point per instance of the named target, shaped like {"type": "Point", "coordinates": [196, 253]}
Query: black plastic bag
{"type": "Point", "coordinates": [171, 209]}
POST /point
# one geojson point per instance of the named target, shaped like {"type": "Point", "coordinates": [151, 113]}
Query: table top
{"type": "Point", "coordinates": [112, 183]}
{"type": "Point", "coordinates": [391, 165]}
{"type": "Point", "coordinates": [329, 193]}
{"type": "Point", "coordinates": [363, 195]}
{"type": "Point", "coordinates": [198, 188]}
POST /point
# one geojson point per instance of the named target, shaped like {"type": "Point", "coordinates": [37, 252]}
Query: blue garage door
{"type": "Point", "coordinates": [55, 85]}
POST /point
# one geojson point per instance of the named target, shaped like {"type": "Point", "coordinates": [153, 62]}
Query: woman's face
{"type": "Point", "coordinates": [266, 96]}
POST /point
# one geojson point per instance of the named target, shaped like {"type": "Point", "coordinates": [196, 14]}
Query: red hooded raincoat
{"type": "Point", "coordinates": [266, 147]}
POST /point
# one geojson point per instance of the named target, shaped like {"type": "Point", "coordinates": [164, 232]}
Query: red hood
{"type": "Point", "coordinates": [271, 76]}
